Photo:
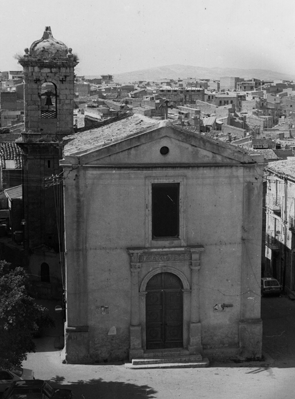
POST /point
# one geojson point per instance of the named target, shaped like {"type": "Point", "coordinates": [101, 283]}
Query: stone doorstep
{"type": "Point", "coordinates": [168, 364]}
{"type": "Point", "coordinates": [165, 353]}
{"type": "Point", "coordinates": [168, 358]}
{"type": "Point", "coordinates": [172, 359]}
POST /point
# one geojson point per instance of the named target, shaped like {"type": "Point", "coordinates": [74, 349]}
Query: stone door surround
{"type": "Point", "coordinates": [147, 262]}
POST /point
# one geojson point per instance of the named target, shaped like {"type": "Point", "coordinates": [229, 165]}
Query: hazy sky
{"type": "Point", "coordinates": [115, 36]}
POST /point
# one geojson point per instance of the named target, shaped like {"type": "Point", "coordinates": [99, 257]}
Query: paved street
{"type": "Point", "coordinates": [271, 379]}
{"type": "Point", "coordinates": [279, 330]}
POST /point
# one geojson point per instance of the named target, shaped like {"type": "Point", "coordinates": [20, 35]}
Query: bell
{"type": "Point", "coordinates": [48, 101]}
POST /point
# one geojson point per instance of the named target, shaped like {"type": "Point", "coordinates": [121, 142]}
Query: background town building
{"type": "Point", "coordinates": [280, 223]}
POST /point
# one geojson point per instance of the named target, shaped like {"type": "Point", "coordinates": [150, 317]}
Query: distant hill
{"type": "Point", "coordinates": [188, 71]}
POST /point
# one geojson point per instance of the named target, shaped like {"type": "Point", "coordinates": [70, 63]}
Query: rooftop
{"type": "Point", "coordinates": [268, 153]}
{"type": "Point", "coordinates": [14, 192]}
{"type": "Point", "coordinates": [10, 151]}
{"type": "Point", "coordinates": [286, 167]}
{"type": "Point", "coordinates": [209, 121]}
{"type": "Point", "coordinates": [100, 137]}
{"type": "Point", "coordinates": [229, 94]}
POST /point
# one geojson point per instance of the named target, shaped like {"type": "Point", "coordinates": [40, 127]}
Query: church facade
{"type": "Point", "coordinates": [162, 244]}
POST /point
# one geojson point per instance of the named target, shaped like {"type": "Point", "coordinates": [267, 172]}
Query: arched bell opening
{"type": "Point", "coordinates": [48, 97]}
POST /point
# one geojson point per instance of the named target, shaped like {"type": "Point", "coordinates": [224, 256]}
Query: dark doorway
{"type": "Point", "coordinates": [164, 312]}
{"type": "Point", "coordinates": [45, 273]}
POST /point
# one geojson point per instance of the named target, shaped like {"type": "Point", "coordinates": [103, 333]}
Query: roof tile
{"type": "Point", "coordinates": [100, 137]}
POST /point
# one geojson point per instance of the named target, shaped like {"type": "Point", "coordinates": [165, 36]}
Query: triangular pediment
{"type": "Point", "coordinates": [162, 144]}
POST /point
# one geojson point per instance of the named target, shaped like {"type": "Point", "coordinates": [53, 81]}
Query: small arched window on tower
{"type": "Point", "coordinates": [48, 100]}
{"type": "Point", "coordinates": [45, 274]}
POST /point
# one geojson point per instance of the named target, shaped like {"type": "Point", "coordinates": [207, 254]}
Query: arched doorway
{"type": "Point", "coordinates": [164, 312]}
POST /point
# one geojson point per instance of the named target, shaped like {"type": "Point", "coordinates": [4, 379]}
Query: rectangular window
{"type": "Point", "coordinates": [165, 222]}
{"type": "Point", "coordinates": [165, 210]}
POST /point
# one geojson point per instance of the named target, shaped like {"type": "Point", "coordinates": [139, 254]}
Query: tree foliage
{"type": "Point", "coordinates": [19, 316]}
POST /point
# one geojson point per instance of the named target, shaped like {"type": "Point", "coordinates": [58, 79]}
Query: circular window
{"type": "Point", "coordinates": [164, 150]}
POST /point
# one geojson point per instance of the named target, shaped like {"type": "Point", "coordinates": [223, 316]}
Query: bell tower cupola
{"type": "Point", "coordinates": [49, 89]}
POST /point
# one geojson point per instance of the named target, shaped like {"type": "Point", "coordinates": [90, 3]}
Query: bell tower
{"type": "Point", "coordinates": [48, 67]}
{"type": "Point", "coordinates": [49, 88]}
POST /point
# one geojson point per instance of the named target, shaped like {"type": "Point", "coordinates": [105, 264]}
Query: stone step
{"type": "Point", "coordinates": [169, 365]}
{"type": "Point", "coordinates": [166, 353]}
{"type": "Point", "coordinates": [171, 359]}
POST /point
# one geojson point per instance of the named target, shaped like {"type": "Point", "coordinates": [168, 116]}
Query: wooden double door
{"type": "Point", "coordinates": [164, 312]}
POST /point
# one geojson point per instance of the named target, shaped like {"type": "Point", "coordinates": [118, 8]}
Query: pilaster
{"type": "Point", "coordinates": [135, 327]}
{"type": "Point", "coordinates": [195, 344]}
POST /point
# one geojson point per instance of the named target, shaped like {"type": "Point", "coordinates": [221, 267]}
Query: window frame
{"type": "Point", "coordinates": [159, 207]}
{"type": "Point", "coordinates": [165, 241]}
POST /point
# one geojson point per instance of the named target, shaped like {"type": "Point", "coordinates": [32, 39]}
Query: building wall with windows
{"type": "Point", "coordinates": [161, 228]}
{"type": "Point", "coordinates": [280, 223]}
{"type": "Point", "coordinates": [248, 85]}
{"type": "Point", "coordinates": [188, 95]}
{"type": "Point", "coordinates": [228, 98]}
{"type": "Point", "coordinates": [288, 105]}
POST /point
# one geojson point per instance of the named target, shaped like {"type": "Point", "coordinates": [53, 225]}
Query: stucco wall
{"type": "Point", "coordinates": [106, 214]}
